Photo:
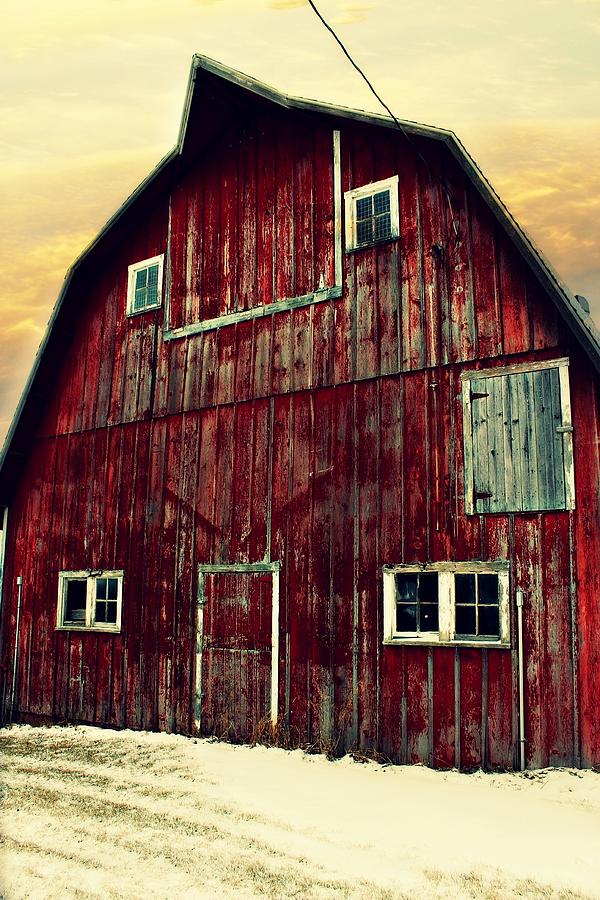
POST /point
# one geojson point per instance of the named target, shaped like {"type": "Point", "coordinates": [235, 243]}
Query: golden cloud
{"type": "Point", "coordinates": [352, 13]}
{"type": "Point", "coordinates": [286, 4]}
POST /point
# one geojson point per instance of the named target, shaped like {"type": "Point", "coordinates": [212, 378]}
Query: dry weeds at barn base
{"type": "Point", "coordinates": [93, 813]}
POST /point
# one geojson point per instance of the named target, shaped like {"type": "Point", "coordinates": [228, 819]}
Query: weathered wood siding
{"type": "Point", "coordinates": [328, 438]}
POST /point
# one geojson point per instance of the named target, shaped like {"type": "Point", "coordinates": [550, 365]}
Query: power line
{"type": "Point", "coordinates": [398, 124]}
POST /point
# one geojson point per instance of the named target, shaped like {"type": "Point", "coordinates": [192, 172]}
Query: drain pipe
{"type": "Point", "coordinates": [521, 678]}
{"type": "Point", "coordinates": [17, 628]}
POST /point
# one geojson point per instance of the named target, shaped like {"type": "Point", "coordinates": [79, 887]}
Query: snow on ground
{"type": "Point", "coordinates": [88, 812]}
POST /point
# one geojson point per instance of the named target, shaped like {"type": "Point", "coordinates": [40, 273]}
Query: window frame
{"type": "Point", "coordinates": [445, 636]}
{"type": "Point", "coordinates": [350, 201]}
{"type": "Point", "coordinates": [90, 578]}
{"type": "Point", "coordinates": [132, 271]}
{"type": "Point", "coordinates": [562, 364]}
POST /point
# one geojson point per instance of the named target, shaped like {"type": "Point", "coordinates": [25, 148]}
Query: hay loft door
{"type": "Point", "coordinates": [237, 649]}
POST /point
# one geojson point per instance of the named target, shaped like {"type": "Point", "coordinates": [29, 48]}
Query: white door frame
{"type": "Point", "coordinates": [238, 569]}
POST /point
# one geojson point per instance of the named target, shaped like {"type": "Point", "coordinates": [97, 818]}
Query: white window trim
{"type": "Point", "coordinates": [350, 198]}
{"type": "Point", "coordinates": [445, 635]}
{"type": "Point", "coordinates": [90, 579]}
{"type": "Point", "coordinates": [132, 271]}
{"type": "Point", "coordinates": [562, 365]}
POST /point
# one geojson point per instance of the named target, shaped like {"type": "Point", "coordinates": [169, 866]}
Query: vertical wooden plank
{"type": "Point", "coordinates": [485, 289]}
{"type": "Point", "coordinates": [298, 609]}
{"type": "Point", "coordinates": [211, 229]}
{"type": "Point", "coordinates": [228, 299]}
{"type": "Point", "coordinates": [369, 576]}
{"type": "Point", "coordinates": [413, 343]}
{"type": "Point", "coordinates": [417, 705]}
{"type": "Point", "coordinates": [416, 469]}
{"type": "Point", "coordinates": [185, 578]}
{"type": "Point", "coordinates": [266, 212]}
{"type": "Point", "coordinates": [306, 178]}
{"type": "Point", "coordinates": [323, 213]}
{"type": "Point", "coordinates": [585, 550]}
{"type": "Point", "coordinates": [226, 339]}
{"type": "Point", "coordinates": [470, 708]}
{"type": "Point", "coordinates": [224, 463]}
{"type": "Point", "coordinates": [151, 581]}
{"type": "Point", "coordinates": [528, 576]}
{"type": "Point", "coordinates": [264, 363]}
{"type": "Point", "coordinates": [443, 708]}
{"type": "Point", "coordinates": [248, 207]}
{"type": "Point", "coordinates": [284, 257]}
{"type": "Point", "coordinates": [459, 267]}
{"type": "Point", "coordinates": [278, 515]}
{"type": "Point", "coordinates": [544, 317]}
{"type": "Point", "coordinates": [431, 198]}
{"type": "Point", "coordinates": [241, 487]}
{"type": "Point", "coordinates": [342, 563]}
{"type": "Point", "coordinates": [324, 730]}
{"type": "Point", "coordinates": [514, 308]}
{"type": "Point", "coordinates": [557, 639]}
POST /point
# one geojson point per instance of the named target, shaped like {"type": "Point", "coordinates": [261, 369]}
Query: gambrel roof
{"type": "Point", "coordinates": [210, 84]}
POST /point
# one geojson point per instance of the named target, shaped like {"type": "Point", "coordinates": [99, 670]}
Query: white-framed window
{"type": "Point", "coordinates": [372, 214]}
{"type": "Point", "coordinates": [447, 603]}
{"type": "Point", "coordinates": [90, 601]}
{"type": "Point", "coordinates": [144, 285]}
{"type": "Point", "coordinates": [518, 438]}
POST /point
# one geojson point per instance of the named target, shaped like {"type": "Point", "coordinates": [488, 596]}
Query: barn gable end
{"type": "Point", "coordinates": [251, 483]}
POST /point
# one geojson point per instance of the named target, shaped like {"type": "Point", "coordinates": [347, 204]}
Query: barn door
{"type": "Point", "coordinates": [237, 649]}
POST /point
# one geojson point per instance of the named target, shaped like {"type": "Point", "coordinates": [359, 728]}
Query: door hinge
{"type": "Point", "coordinates": [478, 395]}
{"type": "Point", "coordinates": [483, 495]}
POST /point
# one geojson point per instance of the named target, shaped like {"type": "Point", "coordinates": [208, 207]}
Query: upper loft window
{"type": "Point", "coordinates": [144, 285]}
{"type": "Point", "coordinates": [372, 214]}
{"type": "Point", "coordinates": [90, 602]}
{"type": "Point", "coordinates": [518, 438]}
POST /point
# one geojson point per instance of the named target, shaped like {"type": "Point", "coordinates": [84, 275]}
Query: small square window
{"type": "Point", "coordinates": [447, 603]}
{"type": "Point", "coordinates": [144, 286]}
{"type": "Point", "coordinates": [372, 214]}
{"type": "Point", "coordinates": [90, 602]}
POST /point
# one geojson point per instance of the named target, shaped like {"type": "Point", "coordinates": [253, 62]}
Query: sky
{"type": "Point", "coordinates": [91, 96]}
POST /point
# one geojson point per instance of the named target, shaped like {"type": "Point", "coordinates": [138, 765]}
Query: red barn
{"type": "Point", "coordinates": [312, 440]}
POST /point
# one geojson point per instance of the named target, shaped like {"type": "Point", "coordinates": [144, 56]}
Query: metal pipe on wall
{"type": "Point", "coordinates": [16, 654]}
{"type": "Point", "coordinates": [522, 739]}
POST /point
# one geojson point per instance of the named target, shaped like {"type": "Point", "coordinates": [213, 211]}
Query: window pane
{"type": "Point", "coordinates": [406, 586]}
{"type": "Point", "coordinates": [381, 202]}
{"type": "Point", "coordinates": [406, 617]}
{"type": "Point", "coordinates": [100, 615]}
{"type": "Point", "coordinates": [428, 587]}
{"type": "Point", "coordinates": [364, 231]}
{"type": "Point", "coordinates": [383, 227]}
{"type": "Point", "coordinates": [465, 588]}
{"type": "Point", "coordinates": [465, 620]}
{"type": "Point", "coordinates": [75, 601]}
{"type": "Point", "coordinates": [488, 589]}
{"type": "Point", "coordinates": [112, 589]}
{"type": "Point", "coordinates": [111, 612]}
{"type": "Point", "coordinates": [141, 279]}
{"type": "Point", "coordinates": [364, 208]}
{"type": "Point", "coordinates": [140, 299]}
{"type": "Point", "coordinates": [101, 588]}
{"type": "Point", "coordinates": [429, 617]}
{"type": "Point", "coordinates": [489, 621]}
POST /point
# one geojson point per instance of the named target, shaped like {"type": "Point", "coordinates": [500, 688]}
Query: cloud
{"type": "Point", "coordinates": [352, 13]}
{"type": "Point", "coordinates": [548, 174]}
{"type": "Point", "coordinates": [286, 4]}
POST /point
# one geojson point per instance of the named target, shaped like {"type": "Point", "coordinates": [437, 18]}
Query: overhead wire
{"type": "Point", "coordinates": [403, 131]}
